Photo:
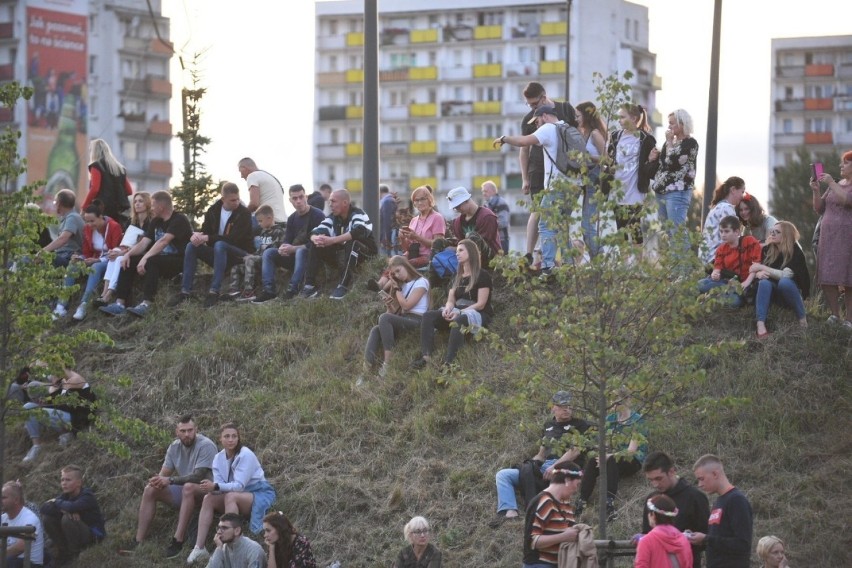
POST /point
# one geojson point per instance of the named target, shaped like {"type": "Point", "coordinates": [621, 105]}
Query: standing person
{"type": "Point", "coordinates": [16, 514]}
{"type": "Point", "coordinates": [834, 263]}
{"type": "Point", "coordinates": [424, 228]}
{"type": "Point", "coordinates": [594, 130]}
{"type": "Point", "coordinates": [239, 486]}
{"type": "Point", "coordinates": [100, 235]}
{"type": "Point", "coordinates": [499, 207]}
{"type": "Point", "coordinates": [420, 553]}
{"type": "Point", "coordinates": [693, 509]}
{"type": "Point", "coordinates": [726, 198]}
{"type": "Point", "coordinates": [550, 518]}
{"type": "Point", "coordinates": [531, 158]}
{"type": "Point", "coordinates": [224, 240]}
{"type": "Point", "coordinates": [188, 462]}
{"type": "Point", "coordinates": [343, 241]}
{"type": "Point", "coordinates": [73, 520]}
{"type": "Point", "coordinates": [233, 550]}
{"type": "Point", "coordinates": [756, 221]}
{"type": "Point", "coordinates": [772, 552]}
{"type": "Point", "coordinates": [286, 547]}
{"type": "Point", "coordinates": [69, 240]}
{"type": "Point", "coordinates": [264, 189]}
{"type": "Point", "coordinates": [674, 169]}
{"type": "Point", "coordinates": [664, 546]}
{"type": "Point", "coordinates": [629, 150]}
{"type": "Point", "coordinates": [108, 182]}
{"type": "Point", "coordinates": [728, 538]}
{"type": "Point", "coordinates": [387, 220]}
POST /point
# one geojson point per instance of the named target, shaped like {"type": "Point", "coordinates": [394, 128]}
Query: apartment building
{"type": "Point", "coordinates": [811, 96]}
{"type": "Point", "coordinates": [99, 69]}
{"type": "Point", "coordinates": [452, 74]}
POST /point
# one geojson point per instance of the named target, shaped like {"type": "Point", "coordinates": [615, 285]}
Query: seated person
{"type": "Point", "coordinates": [343, 240]}
{"type": "Point", "coordinates": [73, 520]}
{"type": "Point", "coordinates": [232, 548]}
{"type": "Point", "coordinates": [270, 238]}
{"type": "Point", "coordinates": [475, 219]}
{"type": "Point", "coordinates": [225, 238]}
{"type": "Point", "coordinates": [533, 475]}
{"type": "Point", "coordinates": [158, 253]}
{"type": "Point", "coordinates": [756, 222]}
{"type": "Point", "coordinates": [419, 553]}
{"type": "Point", "coordinates": [772, 552]}
{"type": "Point", "coordinates": [16, 514]}
{"type": "Point", "coordinates": [100, 235]}
{"type": "Point", "coordinates": [292, 254]}
{"type": "Point", "coordinates": [734, 258]}
{"type": "Point", "coordinates": [286, 547]}
{"type": "Point", "coordinates": [69, 240]}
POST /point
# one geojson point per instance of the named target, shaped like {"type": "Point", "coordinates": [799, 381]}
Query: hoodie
{"type": "Point", "coordinates": [655, 547]}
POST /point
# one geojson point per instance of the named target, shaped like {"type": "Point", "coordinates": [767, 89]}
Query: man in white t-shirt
{"type": "Point", "coordinates": [264, 189]}
{"type": "Point", "coordinates": [16, 515]}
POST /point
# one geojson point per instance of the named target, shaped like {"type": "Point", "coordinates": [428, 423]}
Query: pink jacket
{"type": "Point", "coordinates": [655, 547]}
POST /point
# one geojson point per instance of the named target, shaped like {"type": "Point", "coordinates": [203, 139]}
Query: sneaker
{"type": "Point", "coordinates": [234, 294]}
{"type": "Point", "coordinates": [32, 454]}
{"type": "Point", "coordinates": [174, 548]}
{"type": "Point", "coordinates": [372, 285]}
{"type": "Point", "coordinates": [60, 311]}
{"type": "Point", "coordinates": [847, 324]}
{"type": "Point", "coordinates": [309, 292]}
{"type": "Point", "coordinates": [99, 303]}
{"type": "Point", "coordinates": [211, 300]}
{"type": "Point", "coordinates": [246, 296]}
{"type": "Point", "coordinates": [338, 293]}
{"type": "Point", "coordinates": [197, 554]}
{"type": "Point", "coordinates": [832, 319]}
{"type": "Point", "coordinates": [115, 309]}
{"type": "Point", "coordinates": [80, 314]}
{"type": "Point", "coordinates": [178, 299]}
{"type": "Point", "coordinates": [383, 370]}
{"type": "Point", "coordinates": [129, 548]}
{"type": "Point", "coordinates": [419, 363]}
{"type": "Point", "coordinates": [264, 296]}
{"type": "Point", "coordinates": [290, 294]}
{"type": "Point", "coordinates": [65, 439]}
{"type": "Point", "coordinates": [139, 311]}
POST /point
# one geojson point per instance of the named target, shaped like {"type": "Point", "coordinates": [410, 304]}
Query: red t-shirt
{"type": "Point", "coordinates": [739, 258]}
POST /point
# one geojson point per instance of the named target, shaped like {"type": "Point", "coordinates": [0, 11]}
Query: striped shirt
{"type": "Point", "coordinates": [357, 223]}
{"type": "Point", "coordinates": [551, 517]}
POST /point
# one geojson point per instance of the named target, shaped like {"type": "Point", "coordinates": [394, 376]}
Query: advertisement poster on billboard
{"type": "Point", "coordinates": [57, 113]}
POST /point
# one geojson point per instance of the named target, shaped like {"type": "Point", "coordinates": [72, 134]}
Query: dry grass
{"type": "Point", "coordinates": [351, 466]}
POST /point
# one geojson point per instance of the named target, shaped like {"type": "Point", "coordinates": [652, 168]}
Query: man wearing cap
{"type": "Point", "coordinates": [474, 219]}
{"type": "Point", "coordinates": [533, 474]}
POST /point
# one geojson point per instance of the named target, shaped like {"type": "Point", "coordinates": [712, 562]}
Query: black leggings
{"type": "Point", "coordinates": [614, 471]}
{"type": "Point", "coordinates": [433, 320]}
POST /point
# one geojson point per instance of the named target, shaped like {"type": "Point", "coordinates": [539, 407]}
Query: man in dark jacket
{"type": "Point", "coordinates": [693, 509]}
{"type": "Point", "coordinates": [225, 238]}
{"type": "Point", "coordinates": [73, 521]}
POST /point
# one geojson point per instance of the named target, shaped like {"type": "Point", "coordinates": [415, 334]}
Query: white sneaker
{"type": "Point", "coordinates": [197, 554]}
{"type": "Point", "coordinates": [60, 311]}
{"type": "Point", "coordinates": [833, 319]}
{"type": "Point", "coordinates": [80, 314]}
{"type": "Point", "coordinates": [65, 439]}
{"type": "Point", "coordinates": [32, 454]}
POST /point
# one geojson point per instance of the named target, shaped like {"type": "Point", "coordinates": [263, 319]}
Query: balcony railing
{"type": "Point", "coordinates": [455, 148]}
{"type": "Point", "coordinates": [160, 168]}
{"type": "Point", "coordinates": [487, 107]}
{"type": "Point", "coordinates": [428, 180]}
{"type": "Point", "coordinates": [354, 39]}
{"type": "Point", "coordinates": [393, 148]}
{"type": "Point", "coordinates": [521, 69]}
{"type": "Point", "coordinates": [483, 70]}
{"type": "Point", "coordinates": [393, 75]}
{"type": "Point", "coordinates": [423, 147]}
{"type": "Point", "coordinates": [455, 73]}
{"type": "Point", "coordinates": [458, 33]}
{"type": "Point", "coordinates": [819, 104]}
{"type": "Point", "coordinates": [484, 145]}
{"type": "Point", "coordinates": [553, 29]}
{"type": "Point", "coordinates": [551, 67]}
{"type": "Point", "coordinates": [331, 151]}
{"type": "Point", "coordinates": [819, 70]}
{"type": "Point", "coordinates": [423, 109]}
{"type": "Point", "coordinates": [819, 138]}
{"type": "Point", "coordinates": [160, 128]}
{"type": "Point", "coordinates": [354, 185]}
{"type": "Point", "coordinates": [7, 30]}
{"type": "Point", "coordinates": [423, 36]}
{"type": "Point", "coordinates": [331, 42]}
{"type": "Point", "coordinates": [354, 111]}
{"type": "Point", "coordinates": [790, 71]}
{"type": "Point", "coordinates": [7, 72]}
{"type": "Point", "coordinates": [333, 112]}
{"type": "Point", "coordinates": [394, 112]}
{"type": "Point", "coordinates": [456, 108]}
{"type": "Point", "coordinates": [423, 73]}
{"type": "Point", "coordinates": [354, 149]}
{"type": "Point", "coordinates": [488, 32]}
{"type": "Point", "coordinates": [354, 75]}
{"type": "Point", "coordinates": [331, 78]}
{"type": "Point", "coordinates": [789, 105]}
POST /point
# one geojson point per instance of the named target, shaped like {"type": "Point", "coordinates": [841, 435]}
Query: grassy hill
{"type": "Point", "coordinates": [352, 465]}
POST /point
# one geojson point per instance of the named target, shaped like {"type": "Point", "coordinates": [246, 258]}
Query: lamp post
{"type": "Point", "coordinates": [712, 113]}
{"type": "Point", "coordinates": [568, 52]}
{"type": "Point", "coordinates": [370, 155]}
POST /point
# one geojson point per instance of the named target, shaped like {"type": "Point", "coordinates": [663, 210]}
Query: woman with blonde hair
{"type": "Point", "coordinates": [782, 276]}
{"type": "Point", "coordinates": [593, 128]}
{"type": "Point", "coordinates": [674, 169]}
{"type": "Point", "coordinates": [419, 553]}
{"type": "Point", "coordinates": [108, 182]}
{"type": "Point", "coordinates": [423, 229]}
{"type": "Point", "coordinates": [772, 552]}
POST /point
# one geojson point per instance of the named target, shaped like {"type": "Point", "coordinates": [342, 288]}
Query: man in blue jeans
{"type": "Point", "coordinates": [225, 238]}
{"type": "Point", "coordinates": [551, 451]}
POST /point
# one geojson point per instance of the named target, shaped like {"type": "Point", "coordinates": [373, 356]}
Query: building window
{"type": "Point", "coordinates": [331, 174]}
{"type": "Point", "coordinates": [130, 150]}
{"type": "Point", "coordinates": [788, 93]}
{"type": "Point", "coordinates": [627, 29]}
{"type": "Point", "coordinates": [458, 93]}
{"type": "Point", "coordinates": [788, 126]}
{"type": "Point", "coordinates": [849, 125]}
{"type": "Point", "coordinates": [335, 136]}
{"type": "Point", "coordinates": [818, 125]}
{"type": "Point", "coordinates": [394, 134]}
{"type": "Point", "coordinates": [332, 63]}
{"type": "Point", "coordinates": [818, 91]}
{"type": "Point", "coordinates": [433, 132]}
{"type": "Point", "coordinates": [354, 134]}
{"type": "Point", "coordinates": [332, 27]}
{"type": "Point", "coordinates": [490, 18]}
{"type": "Point", "coordinates": [458, 60]}
{"type": "Point", "coordinates": [459, 132]}
{"type": "Point", "coordinates": [432, 96]}
{"type": "Point", "coordinates": [636, 30]}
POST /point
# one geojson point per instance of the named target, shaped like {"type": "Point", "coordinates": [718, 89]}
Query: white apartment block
{"type": "Point", "coordinates": [811, 96]}
{"type": "Point", "coordinates": [452, 74]}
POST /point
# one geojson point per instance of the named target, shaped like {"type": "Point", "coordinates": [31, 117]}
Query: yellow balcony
{"type": "Point", "coordinates": [479, 180]}
{"type": "Point", "coordinates": [488, 70]}
{"type": "Point", "coordinates": [423, 36]}
{"type": "Point", "coordinates": [418, 181]}
{"type": "Point", "coordinates": [423, 109]}
{"type": "Point", "coordinates": [354, 185]}
{"type": "Point", "coordinates": [354, 39]}
{"type": "Point", "coordinates": [657, 82]}
{"type": "Point", "coordinates": [487, 107]}
{"type": "Point", "coordinates": [423, 73]}
{"type": "Point", "coordinates": [551, 67]}
{"type": "Point", "coordinates": [484, 145]}
{"type": "Point", "coordinates": [423, 147]}
{"type": "Point", "coordinates": [355, 76]}
{"type": "Point", "coordinates": [552, 28]}
{"type": "Point", "coordinates": [353, 111]}
{"type": "Point", "coordinates": [354, 149]}
{"type": "Point", "coordinates": [488, 32]}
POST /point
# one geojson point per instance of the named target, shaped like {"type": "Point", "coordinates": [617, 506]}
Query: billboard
{"type": "Point", "coordinates": [56, 38]}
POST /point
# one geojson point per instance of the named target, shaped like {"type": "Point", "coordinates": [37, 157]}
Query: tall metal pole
{"type": "Point", "coordinates": [712, 114]}
{"type": "Point", "coordinates": [568, 53]}
{"type": "Point", "coordinates": [370, 155]}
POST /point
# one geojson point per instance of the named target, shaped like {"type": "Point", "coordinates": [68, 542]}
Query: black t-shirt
{"type": "Point", "coordinates": [730, 531]}
{"type": "Point", "coordinates": [554, 430]}
{"type": "Point", "coordinates": [177, 225]}
{"type": "Point", "coordinates": [484, 281]}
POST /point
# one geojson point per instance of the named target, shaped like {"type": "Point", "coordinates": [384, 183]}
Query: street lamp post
{"type": "Point", "coordinates": [568, 52]}
{"type": "Point", "coordinates": [712, 113]}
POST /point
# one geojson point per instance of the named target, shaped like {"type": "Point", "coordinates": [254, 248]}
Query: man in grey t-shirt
{"type": "Point", "coordinates": [189, 461]}
{"type": "Point", "coordinates": [68, 242]}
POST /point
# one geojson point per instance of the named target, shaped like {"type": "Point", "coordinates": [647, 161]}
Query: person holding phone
{"type": "Point", "coordinates": [424, 228]}
{"type": "Point", "coordinates": [834, 258]}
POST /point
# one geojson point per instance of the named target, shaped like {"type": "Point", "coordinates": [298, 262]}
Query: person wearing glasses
{"type": "Point", "coordinates": [423, 228]}
{"type": "Point", "coordinates": [232, 548]}
{"type": "Point", "coordinates": [420, 553]}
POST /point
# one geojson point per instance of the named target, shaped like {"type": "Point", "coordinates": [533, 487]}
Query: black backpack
{"type": "Point", "coordinates": [570, 151]}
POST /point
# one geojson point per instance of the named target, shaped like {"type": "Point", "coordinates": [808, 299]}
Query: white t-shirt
{"type": "Point", "coordinates": [271, 193]}
{"type": "Point", "coordinates": [24, 518]}
{"type": "Point", "coordinates": [423, 304]}
{"type": "Point", "coordinates": [627, 158]}
{"type": "Point", "coordinates": [548, 138]}
{"type": "Point", "coordinates": [224, 217]}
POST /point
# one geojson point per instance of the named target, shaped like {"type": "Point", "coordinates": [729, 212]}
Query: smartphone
{"type": "Point", "coordinates": [817, 170]}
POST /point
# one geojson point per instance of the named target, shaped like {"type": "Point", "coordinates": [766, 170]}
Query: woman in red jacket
{"type": "Point", "coordinates": [100, 234]}
{"type": "Point", "coordinates": [665, 546]}
{"type": "Point", "coordinates": [108, 182]}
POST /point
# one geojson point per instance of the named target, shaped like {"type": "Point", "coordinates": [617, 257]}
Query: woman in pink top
{"type": "Point", "coordinates": [423, 229]}
{"type": "Point", "coordinates": [665, 546]}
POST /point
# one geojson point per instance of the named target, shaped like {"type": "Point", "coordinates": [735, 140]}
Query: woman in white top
{"type": "Point", "coordinates": [726, 198]}
{"type": "Point", "coordinates": [411, 290]}
{"type": "Point", "coordinates": [594, 131]}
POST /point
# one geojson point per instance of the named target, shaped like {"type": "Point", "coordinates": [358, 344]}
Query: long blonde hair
{"type": "Point", "coordinates": [134, 216]}
{"type": "Point", "coordinates": [99, 151]}
{"type": "Point", "coordinates": [787, 246]}
{"type": "Point", "coordinates": [474, 261]}
{"type": "Point", "coordinates": [400, 260]}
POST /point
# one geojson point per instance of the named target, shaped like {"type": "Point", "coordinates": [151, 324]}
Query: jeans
{"type": "Point", "coordinates": [221, 256]}
{"type": "Point", "coordinates": [590, 209]}
{"type": "Point", "coordinates": [95, 276]}
{"type": "Point", "coordinates": [673, 207]}
{"type": "Point", "coordinates": [384, 334]}
{"type": "Point", "coordinates": [546, 233]}
{"type": "Point", "coordinates": [272, 260]}
{"type": "Point", "coordinates": [729, 297]}
{"type": "Point", "coordinates": [59, 420]}
{"type": "Point", "coordinates": [507, 481]}
{"type": "Point", "coordinates": [615, 469]}
{"type": "Point", "coordinates": [783, 292]}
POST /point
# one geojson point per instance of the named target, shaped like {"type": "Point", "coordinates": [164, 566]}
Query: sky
{"type": "Point", "coordinates": [257, 65]}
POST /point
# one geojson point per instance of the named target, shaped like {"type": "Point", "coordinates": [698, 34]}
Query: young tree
{"type": "Point", "coordinates": [27, 282]}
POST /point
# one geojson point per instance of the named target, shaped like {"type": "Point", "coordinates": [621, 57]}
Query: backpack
{"type": "Point", "coordinates": [570, 142]}
{"type": "Point", "coordinates": [445, 263]}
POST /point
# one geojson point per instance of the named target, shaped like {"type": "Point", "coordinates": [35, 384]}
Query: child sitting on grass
{"type": "Point", "coordinates": [271, 235]}
{"type": "Point", "coordinates": [734, 258]}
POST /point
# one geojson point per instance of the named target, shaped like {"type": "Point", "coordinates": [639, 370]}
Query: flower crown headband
{"type": "Point", "coordinates": [654, 509]}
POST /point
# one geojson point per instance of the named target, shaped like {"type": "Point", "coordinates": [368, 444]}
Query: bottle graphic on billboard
{"type": "Point", "coordinates": [63, 163]}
